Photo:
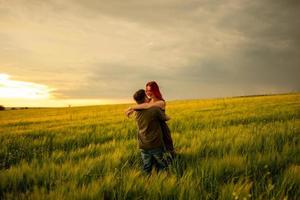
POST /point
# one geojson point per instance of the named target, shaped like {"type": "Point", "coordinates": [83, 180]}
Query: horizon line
{"type": "Point", "coordinates": [191, 99]}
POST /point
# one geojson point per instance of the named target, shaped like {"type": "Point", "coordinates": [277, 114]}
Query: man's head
{"type": "Point", "coordinates": [140, 96]}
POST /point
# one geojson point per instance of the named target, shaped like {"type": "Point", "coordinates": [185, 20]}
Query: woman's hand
{"type": "Point", "coordinates": [129, 111]}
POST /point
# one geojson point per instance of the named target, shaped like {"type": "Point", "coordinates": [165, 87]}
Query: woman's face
{"type": "Point", "coordinates": [149, 92]}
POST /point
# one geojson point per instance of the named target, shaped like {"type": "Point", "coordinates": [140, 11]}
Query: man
{"type": "Point", "coordinates": [150, 134]}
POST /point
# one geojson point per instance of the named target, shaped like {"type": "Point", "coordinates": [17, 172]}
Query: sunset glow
{"type": "Point", "coordinates": [22, 90]}
{"type": "Point", "coordinates": [14, 93]}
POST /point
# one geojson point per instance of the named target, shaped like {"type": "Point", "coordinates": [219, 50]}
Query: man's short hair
{"type": "Point", "coordinates": [139, 96]}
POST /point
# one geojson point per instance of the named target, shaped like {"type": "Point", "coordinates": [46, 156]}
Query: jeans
{"type": "Point", "coordinates": [152, 157]}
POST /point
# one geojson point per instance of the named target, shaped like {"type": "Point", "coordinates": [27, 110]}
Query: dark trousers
{"type": "Point", "coordinates": [167, 139]}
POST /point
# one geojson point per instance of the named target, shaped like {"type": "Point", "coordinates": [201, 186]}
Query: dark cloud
{"type": "Point", "coordinates": [268, 56]}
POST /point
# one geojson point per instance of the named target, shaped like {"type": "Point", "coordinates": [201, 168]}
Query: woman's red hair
{"type": "Point", "coordinates": [155, 90]}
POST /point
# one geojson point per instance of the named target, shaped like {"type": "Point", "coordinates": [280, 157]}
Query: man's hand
{"type": "Point", "coordinates": [168, 118]}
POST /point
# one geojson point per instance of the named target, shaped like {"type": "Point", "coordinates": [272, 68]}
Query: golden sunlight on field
{"type": "Point", "coordinates": [229, 148]}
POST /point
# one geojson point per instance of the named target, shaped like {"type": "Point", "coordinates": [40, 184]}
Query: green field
{"type": "Point", "coordinates": [229, 148]}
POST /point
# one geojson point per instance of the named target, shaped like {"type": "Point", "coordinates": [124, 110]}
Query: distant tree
{"type": "Point", "coordinates": [2, 107]}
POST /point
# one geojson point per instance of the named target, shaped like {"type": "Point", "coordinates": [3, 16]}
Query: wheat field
{"type": "Point", "coordinates": [228, 148]}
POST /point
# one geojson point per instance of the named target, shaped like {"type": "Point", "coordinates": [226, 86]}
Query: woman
{"type": "Point", "coordinates": [156, 100]}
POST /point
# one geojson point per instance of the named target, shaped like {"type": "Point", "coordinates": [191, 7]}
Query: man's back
{"type": "Point", "coordinates": [149, 133]}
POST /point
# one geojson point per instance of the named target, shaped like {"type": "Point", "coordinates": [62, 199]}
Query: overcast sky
{"type": "Point", "coordinates": [107, 49]}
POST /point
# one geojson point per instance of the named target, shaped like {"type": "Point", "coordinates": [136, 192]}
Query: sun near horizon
{"type": "Point", "coordinates": [14, 93]}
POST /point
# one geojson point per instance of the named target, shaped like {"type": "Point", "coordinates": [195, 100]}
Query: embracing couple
{"type": "Point", "coordinates": [154, 135]}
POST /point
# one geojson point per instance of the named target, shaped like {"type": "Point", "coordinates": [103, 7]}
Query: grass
{"type": "Point", "coordinates": [229, 148]}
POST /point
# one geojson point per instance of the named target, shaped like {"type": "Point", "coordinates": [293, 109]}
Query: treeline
{"type": "Point", "coordinates": [12, 108]}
